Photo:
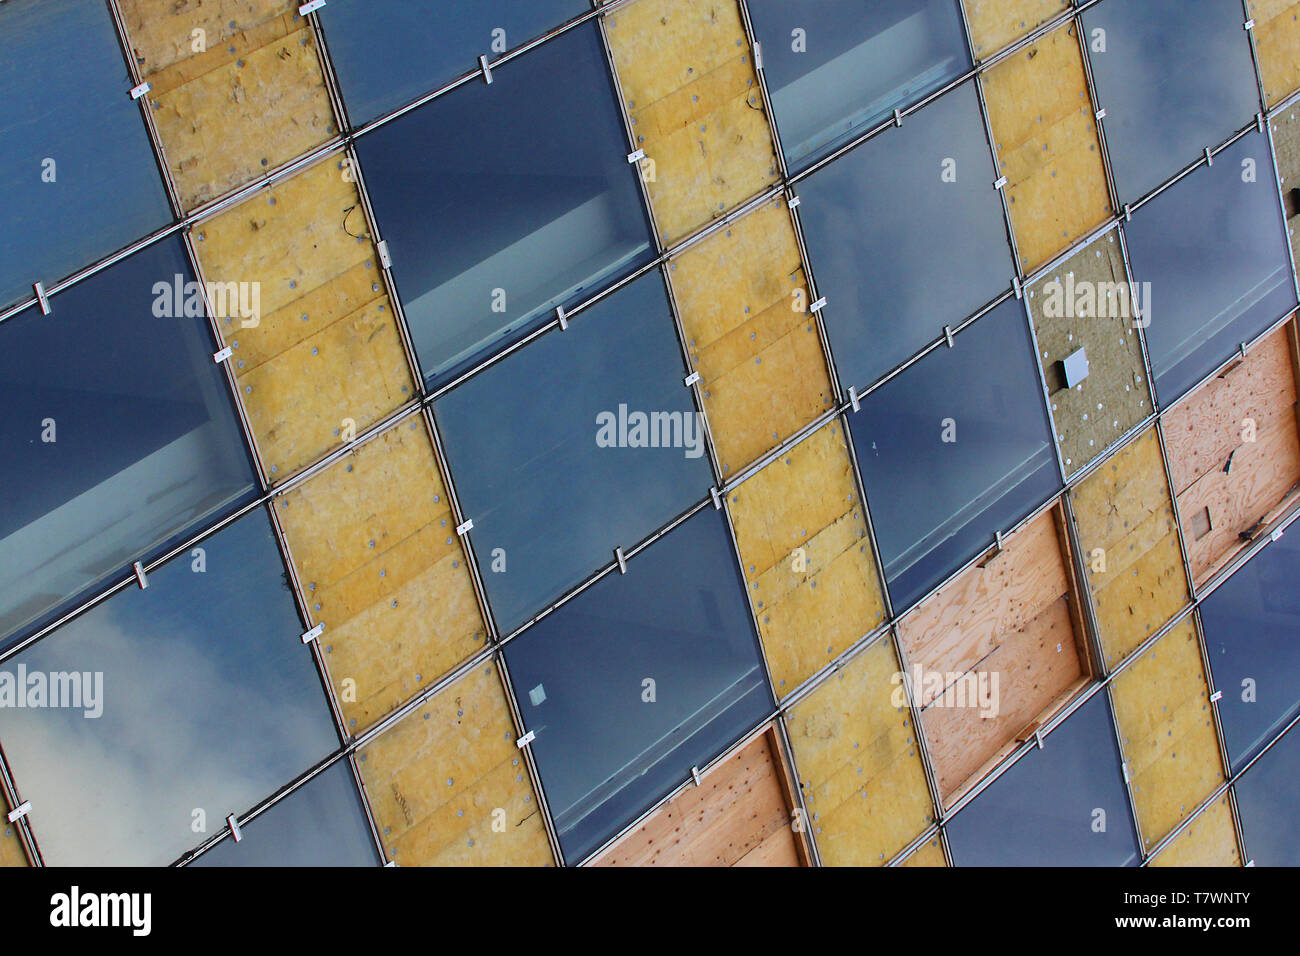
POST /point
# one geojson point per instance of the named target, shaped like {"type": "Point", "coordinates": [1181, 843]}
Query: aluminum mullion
{"type": "Point", "coordinates": [530, 761]}
{"type": "Point", "coordinates": [11, 798]}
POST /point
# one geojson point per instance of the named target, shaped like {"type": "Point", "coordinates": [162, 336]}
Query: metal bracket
{"type": "Point", "coordinates": [636, 157]}
{"type": "Point", "coordinates": [1128, 213]}
{"type": "Point", "coordinates": [947, 336]}
{"type": "Point", "coordinates": [314, 633]}
{"type": "Point", "coordinates": [898, 117]}
{"type": "Point", "coordinates": [695, 775]}
{"type": "Point", "coordinates": [1101, 113]}
{"type": "Point", "coordinates": [792, 201]}
{"type": "Point", "coordinates": [758, 55]}
{"type": "Point", "coordinates": [691, 379]}
{"type": "Point", "coordinates": [234, 828]}
{"type": "Point", "coordinates": [1038, 737]}
{"type": "Point", "coordinates": [1015, 284]}
{"type": "Point", "coordinates": [999, 542]}
{"type": "Point", "coordinates": [385, 258]}
{"type": "Point", "coordinates": [1124, 768]}
{"type": "Point", "coordinates": [1216, 696]}
{"type": "Point", "coordinates": [1276, 535]}
{"type": "Point", "coordinates": [1002, 181]}
{"type": "Point", "coordinates": [1249, 24]}
{"type": "Point", "coordinates": [1209, 157]}
{"type": "Point", "coordinates": [224, 354]}
{"type": "Point", "coordinates": [563, 317]}
{"type": "Point", "coordinates": [1259, 122]}
{"type": "Point", "coordinates": [42, 298]}
{"type": "Point", "coordinates": [853, 399]}
{"type": "Point", "coordinates": [141, 90]}
{"type": "Point", "coordinates": [464, 526]}
{"type": "Point", "coordinates": [487, 70]}
{"type": "Point", "coordinates": [717, 499]}
{"type": "Point", "coordinates": [20, 811]}
{"type": "Point", "coordinates": [622, 561]}
{"type": "Point", "coordinates": [311, 6]}
{"type": "Point", "coordinates": [140, 577]}
{"type": "Point", "coordinates": [526, 739]}
{"type": "Point", "coordinates": [818, 305]}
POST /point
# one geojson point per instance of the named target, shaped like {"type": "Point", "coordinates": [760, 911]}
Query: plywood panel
{"type": "Point", "coordinates": [991, 652]}
{"type": "Point", "coordinates": [1209, 840]}
{"type": "Point", "coordinates": [1166, 728]}
{"type": "Point", "coordinates": [929, 853]}
{"type": "Point", "coordinates": [995, 24]}
{"type": "Point", "coordinates": [1046, 139]}
{"type": "Point", "coordinates": [807, 558]}
{"type": "Point", "coordinates": [1234, 452]}
{"type": "Point", "coordinates": [738, 816]}
{"type": "Point", "coordinates": [858, 762]}
{"type": "Point", "coordinates": [450, 788]}
{"type": "Point", "coordinates": [1084, 304]}
{"type": "Point", "coordinates": [324, 359]}
{"type": "Point", "coordinates": [689, 87]}
{"type": "Point", "coordinates": [252, 100]}
{"type": "Point", "coordinates": [762, 370]}
{"type": "Point", "coordinates": [1277, 39]}
{"type": "Point", "coordinates": [1130, 545]}
{"type": "Point", "coordinates": [11, 849]}
{"type": "Point", "coordinates": [373, 540]}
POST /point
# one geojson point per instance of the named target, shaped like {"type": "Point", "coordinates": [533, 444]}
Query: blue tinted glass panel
{"type": "Point", "coordinates": [1252, 633]}
{"type": "Point", "coordinates": [953, 449]}
{"type": "Point", "coordinates": [500, 202]}
{"type": "Point", "coordinates": [898, 252]}
{"type": "Point", "coordinates": [1175, 77]}
{"type": "Point", "coordinates": [207, 703]}
{"type": "Point", "coordinates": [837, 67]}
{"type": "Point", "coordinates": [608, 744]}
{"type": "Point", "coordinates": [1267, 795]}
{"type": "Point", "coordinates": [388, 54]}
{"type": "Point", "coordinates": [1213, 249]}
{"type": "Point", "coordinates": [119, 432]}
{"type": "Point", "coordinates": [556, 455]}
{"type": "Point", "coordinates": [320, 824]}
{"type": "Point", "coordinates": [1044, 810]}
{"type": "Point", "coordinates": [77, 173]}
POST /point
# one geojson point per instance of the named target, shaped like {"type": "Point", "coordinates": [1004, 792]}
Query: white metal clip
{"type": "Point", "coordinates": [385, 258]}
{"type": "Point", "coordinates": [234, 828]}
{"type": "Point", "coordinates": [487, 70]}
{"type": "Point", "coordinates": [140, 577]}
{"type": "Point", "coordinates": [42, 298]}
{"type": "Point", "coordinates": [20, 811]}
{"type": "Point", "coordinates": [526, 739]}
{"type": "Point", "coordinates": [314, 633]}
{"type": "Point", "coordinates": [691, 379]}
{"type": "Point", "coordinates": [464, 526]}
{"type": "Point", "coordinates": [622, 561]}
{"type": "Point", "coordinates": [853, 399]}
{"type": "Point", "coordinates": [311, 6]}
{"type": "Point", "coordinates": [224, 354]}
{"type": "Point", "coordinates": [141, 90]}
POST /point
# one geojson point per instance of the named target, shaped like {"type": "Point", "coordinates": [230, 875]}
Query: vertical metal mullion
{"type": "Point", "coordinates": [1111, 187]}
{"type": "Point", "coordinates": [697, 399]}
{"type": "Point", "coordinates": [792, 768]}
{"type": "Point", "coordinates": [1109, 693]}
{"type": "Point", "coordinates": [1042, 384]}
{"type": "Point", "coordinates": [367, 808]}
{"type": "Point", "coordinates": [13, 799]}
{"type": "Point", "coordinates": [914, 708]}
{"type": "Point", "coordinates": [1225, 758]}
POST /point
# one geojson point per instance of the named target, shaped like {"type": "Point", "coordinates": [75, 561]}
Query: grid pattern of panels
{"type": "Point", "coordinates": [800, 471]}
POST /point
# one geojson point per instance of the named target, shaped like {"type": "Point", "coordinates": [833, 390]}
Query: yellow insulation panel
{"type": "Point", "coordinates": [688, 83]}
{"type": "Point", "coordinates": [807, 557]}
{"type": "Point", "coordinates": [1125, 517]}
{"type": "Point", "coordinates": [1166, 728]}
{"type": "Point", "coordinates": [859, 764]}
{"type": "Point", "coordinates": [1045, 135]}
{"type": "Point", "coordinates": [449, 787]}
{"type": "Point", "coordinates": [374, 543]}
{"type": "Point", "coordinates": [323, 360]}
{"type": "Point", "coordinates": [996, 24]}
{"type": "Point", "coordinates": [1277, 43]}
{"type": "Point", "coordinates": [743, 302]}
{"type": "Point", "coordinates": [1209, 840]}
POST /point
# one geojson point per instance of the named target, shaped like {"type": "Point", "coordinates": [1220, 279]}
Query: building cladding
{"type": "Point", "coordinates": [765, 432]}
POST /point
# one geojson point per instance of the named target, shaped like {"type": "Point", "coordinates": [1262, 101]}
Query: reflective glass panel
{"type": "Point", "coordinates": [119, 431]}
{"type": "Point", "coordinates": [583, 441]}
{"type": "Point", "coordinates": [388, 54]}
{"type": "Point", "coordinates": [1252, 634]}
{"type": "Point", "coordinates": [1064, 805]}
{"type": "Point", "coordinates": [837, 67]}
{"type": "Point", "coordinates": [197, 699]}
{"type": "Point", "coordinates": [1210, 253]}
{"type": "Point", "coordinates": [1174, 77]}
{"type": "Point", "coordinates": [500, 202]}
{"type": "Point", "coordinates": [77, 173]}
{"type": "Point", "coordinates": [638, 679]}
{"type": "Point", "coordinates": [319, 824]}
{"type": "Point", "coordinates": [952, 449]}
{"type": "Point", "coordinates": [898, 250]}
{"type": "Point", "coordinates": [1267, 795]}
